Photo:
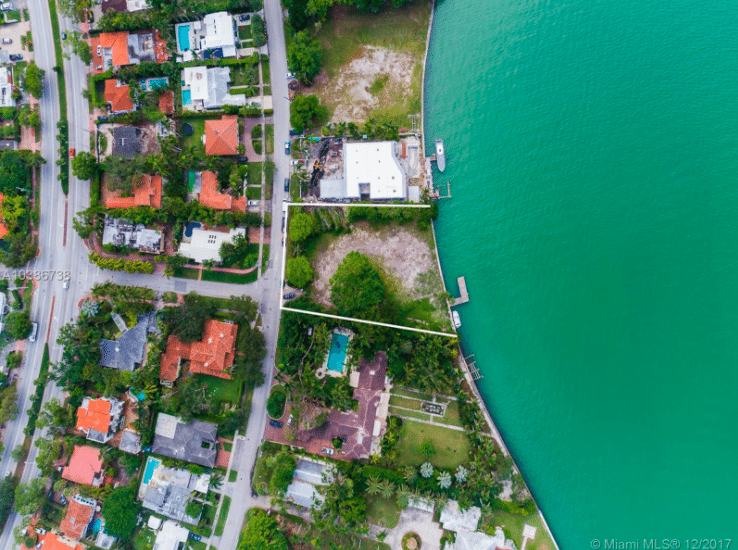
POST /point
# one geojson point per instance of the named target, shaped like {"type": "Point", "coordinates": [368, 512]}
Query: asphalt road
{"type": "Point", "coordinates": [54, 306]}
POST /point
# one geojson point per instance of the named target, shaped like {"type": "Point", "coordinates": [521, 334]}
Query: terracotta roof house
{"type": "Point", "coordinates": [52, 541]}
{"type": "Point", "coordinates": [3, 229]}
{"type": "Point", "coordinates": [213, 355]}
{"type": "Point", "coordinates": [166, 102]}
{"type": "Point", "coordinates": [221, 136]}
{"type": "Point", "coordinates": [118, 49]}
{"type": "Point", "coordinates": [211, 196]}
{"type": "Point", "coordinates": [146, 192]}
{"type": "Point", "coordinates": [99, 419]}
{"type": "Point", "coordinates": [117, 95]}
{"type": "Point", "coordinates": [195, 442]}
{"type": "Point", "coordinates": [78, 518]}
{"type": "Point", "coordinates": [85, 466]}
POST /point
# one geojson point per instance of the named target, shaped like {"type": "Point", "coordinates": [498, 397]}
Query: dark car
{"type": "Point", "coordinates": [287, 147]}
{"type": "Point", "coordinates": [289, 296]}
{"type": "Point", "coordinates": [242, 160]}
{"type": "Point", "coordinates": [195, 537]}
{"type": "Point", "coordinates": [294, 132]}
{"type": "Point", "coordinates": [16, 57]}
{"type": "Point", "coordinates": [286, 185]}
{"type": "Point", "coordinates": [64, 35]}
{"type": "Point", "coordinates": [276, 423]}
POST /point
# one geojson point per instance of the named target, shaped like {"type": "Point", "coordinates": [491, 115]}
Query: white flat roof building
{"type": "Point", "coordinates": [6, 88]}
{"type": "Point", "coordinates": [373, 168]}
{"type": "Point", "coordinates": [170, 536]}
{"type": "Point", "coordinates": [220, 32]}
{"type": "Point", "coordinates": [204, 244]}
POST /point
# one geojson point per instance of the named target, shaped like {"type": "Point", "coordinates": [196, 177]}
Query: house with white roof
{"type": "Point", "coordinates": [213, 37]}
{"type": "Point", "coordinates": [6, 88]}
{"type": "Point", "coordinates": [204, 244]}
{"type": "Point", "coordinates": [207, 88]}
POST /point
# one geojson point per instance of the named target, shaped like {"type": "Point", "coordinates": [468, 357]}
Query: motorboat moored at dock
{"type": "Point", "coordinates": [440, 155]}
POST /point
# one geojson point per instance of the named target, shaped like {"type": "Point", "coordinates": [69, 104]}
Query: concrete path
{"type": "Point", "coordinates": [416, 521]}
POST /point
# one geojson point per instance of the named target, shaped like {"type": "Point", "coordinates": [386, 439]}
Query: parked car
{"type": "Point", "coordinates": [294, 132]}
{"type": "Point", "coordinates": [64, 35]}
{"type": "Point", "coordinates": [6, 6]}
{"type": "Point", "coordinates": [275, 423]}
{"type": "Point", "coordinates": [102, 118]}
{"type": "Point", "coordinates": [286, 185]}
{"type": "Point", "coordinates": [34, 332]}
{"type": "Point", "coordinates": [72, 152]}
{"type": "Point", "coordinates": [287, 147]}
{"type": "Point", "coordinates": [290, 75]}
{"type": "Point", "coordinates": [327, 450]}
{"type": "Point", "coordinates": [7, 40]}
{"type": "Point", "coordinates": [289, 296]}
{"type": "Point", "coordinates": [194, 536]}
{"type": "Point", "coordinates": [65, 284]}
{"type": "Point", "coordinates": [16, 57]}
{"type": "Point", "coordinates": [244, 17]}
{"type": "Point", "coordinates": [254, 203]}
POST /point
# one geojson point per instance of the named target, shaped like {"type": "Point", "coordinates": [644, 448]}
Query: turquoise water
{"type": "Point", "coordinates": [186, 97]}
{"type": "Point", "coordinates": [151, 465]}
{"type": "Point", "coordinates": [96, 526]}
{"type": "Point", "coordinates": [337, 354]}
{"type": "Point", "coordinates": [183, 37]}
{"type": "Point", "coordinates": [138, 394]}
{"type": "Point", "coordinates": [156, 83]}
{"type": "Point", "coordinates": [593, 153]}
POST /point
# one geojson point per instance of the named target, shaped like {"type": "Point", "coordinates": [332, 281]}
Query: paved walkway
{"type": "Point", "coordinates": [416, 521]}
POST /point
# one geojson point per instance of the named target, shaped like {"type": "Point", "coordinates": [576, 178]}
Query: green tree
{"type": "Point", "coordinates": [258, 31]}
{"type": "Point", "coordinates": [251, 346]}
{"type": "Point", "coordinates": [262, 533]}
{"type": "Point", "coordinates": [427, 449]}
{"type": "Point", "coordinates": [33, 82]}
{"type": "Point", "coordinates": [80, 46]}
{"type": "Point", "coordinates": [194, 509]}
{"type": "Point", "coordinates": [302, 225]}
{"type": "Point", "coordinates": [120, 511]}
{"type": "Point", "coordinates": [7, 497]}
{"type": "Point", "coordinates": [304, 111]}
{"type": "Point", "coordinates": [14, 210]}
{"type": "Point", "coordinates": [304, 56]}
{"type": "Point", "coordinates": [18, 324]}
{"type": "Point", "coordinates": [188, 321]}
{"type": "Point", "coordinates": [15, 172]}
{"type": "Point", "coordinates": [299, 272]}
{"type": "Point", "coordinates": [283, 473]}
{"type": "Point", "coordinates": [121, 172]}
{"type": "Point", "coordinates": [8, 404]}
{"type": "Point", "coordinates": [357, 287]}
{"type": "Point", "coordinates": [30, 496]}
{"type": "Point", "coordinates": [84, 165]}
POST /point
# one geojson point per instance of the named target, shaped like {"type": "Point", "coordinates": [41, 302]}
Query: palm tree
{"type": "Point", "coordinates": [387, 488]}
{"type": "Point", "coordinates": [410, 474]}
{"type": "Point", "coordinates": [216, 480]}
{"type": "Point", "coordinates": [444, 480]}
{"type": "Point", "coordinates": [373, 485]}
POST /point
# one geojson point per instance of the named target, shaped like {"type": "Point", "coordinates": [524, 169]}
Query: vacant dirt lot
{"type": "Point", "coordinates": [401, 253]}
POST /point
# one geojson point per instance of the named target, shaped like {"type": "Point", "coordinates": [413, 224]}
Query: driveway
{"type": "Point", "coordinates": [415, 521]}
{"type": "Point", "coordinates": [14, 31]}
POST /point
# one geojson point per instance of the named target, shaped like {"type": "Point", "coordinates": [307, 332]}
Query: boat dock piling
{"type": "Point", "coordinates": [464, 294]}
{"type": "Point", "coordinates": [472, 366]}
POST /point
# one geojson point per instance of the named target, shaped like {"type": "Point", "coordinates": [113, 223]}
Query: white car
{"type": "Point", "coordinates": [65, 284]}
{"type": "Point", "coordinates": [254, 203]}
{"type": "Point", "coordinates": [290, 76]}
{"type": "Point", "coordinates": [7, 40]}
{"type": "Point", "coordinates": [6, 6]}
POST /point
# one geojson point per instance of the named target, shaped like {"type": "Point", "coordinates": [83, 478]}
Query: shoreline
{"type": "Point", "coordinates": [495, 433]}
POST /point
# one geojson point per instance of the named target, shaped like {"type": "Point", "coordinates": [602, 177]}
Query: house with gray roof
{"type": "Point", "coordinates": [127, 352]}
{"type": "Point", "coordinates": [167, 491]}
{"type": "Point", "coordinates": [126, 141]}
{"type": "Point", "coordinates": [195, 442]}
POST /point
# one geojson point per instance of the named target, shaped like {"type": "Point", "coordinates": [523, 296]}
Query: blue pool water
{"type": "Point", "coordinates": [337, 355]}
{"type": "Point", "coordinates": [96, 526]}
{"type": "Point", "coordinates": [186, 97]}
{"type": "Point", "coordinates": [155, 83]}
{"type": "Point", "coordinates": [183, 37]}
{"type": "Point", "coordinates": [190, 226]}
{"type": "Point", "coordinates": [151, 465]}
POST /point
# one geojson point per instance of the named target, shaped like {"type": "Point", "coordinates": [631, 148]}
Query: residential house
{"type": "Point", "coordinates": [85, 466]}
{"type": "Point", "coordinates": [221, 136]}
{"type": "Point", "coordinates": [127, 352]}
{"type": "Point", "coordinates": [52, 541]}
{"type": "Point", "coordinates": [118, 96]}
{"type": "Point", "coordinates": [126, 141]}
{"type": "Point", "coordinates": [119, 49]}
{"type": "Point", "coordinates": [130, 442]}
{"type": "Point", "coordinates": [207, 88]}
{"type": "Point", "coordinates": [464, 524]}
{"type": "Point", "coordinates": [167, 491]}
{"type": "Point", "coordinates": [146, 192]}
{"type": "Point", "coordinates": [172, 536]}
{"type": "Point", "coordinates": [195, 442]}
{"type": "Point", "coordinates": [204, 244]}
{"type": "Point", "coordinates": [78, 518]}
{"type": "Point", "coordinates": [120, 232]}
{"type": "Point", "coordinates": [308, 476]}
{"type": "Point", "coordinates": [215, 37]}
{"type": "Point", "coordinates": [99, 419]}
{"type": "Point", "coordinates": [211, 196]}
{"type": "Point", "coordinates": [124, 5]}
{"type": "Point", "coordinates": [213, 355]}
{"type": "Point", "coordinates": [6, 87]}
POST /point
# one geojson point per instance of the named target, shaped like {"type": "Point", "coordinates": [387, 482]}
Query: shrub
{"type": "Point", "coordinates": [275, 403]}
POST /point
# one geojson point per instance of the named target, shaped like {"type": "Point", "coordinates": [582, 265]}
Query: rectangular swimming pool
{"type": "Point", "coordinates": [183, 38]}
{"type": "Point", "coordinates": [151, 465]}
{"type": "Point", "coordinates": [156, 83]}
{"type": "Point", "coordinates": [186, 98]}
{"type": "Point", "coordinates": [337, 354]}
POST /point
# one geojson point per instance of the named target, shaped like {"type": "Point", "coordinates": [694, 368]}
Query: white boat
{"type": "Point", "coordinates": [440, 155]}
{"type": "Point", "coordinates": [456, 319]}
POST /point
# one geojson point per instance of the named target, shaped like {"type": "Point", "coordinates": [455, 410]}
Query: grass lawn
{"type": "Point", "coordinates": [198, 124]}
{"type": "Point", "coordinates": [253, 193]}
{"type": "Point", "coordinates": [269, 138]}
{"type": "Point", "coordinates": [186, 273]}
{"type": "Point", "coordinates": [294, 187]}
{"type": "Point", "coordinates": [144, 539]}
{"type": "Point", "coordinates": [264, 258]}
{"type": "Point", "coordinates": [225, 390]}
{"type": "Point", "coordinates": [223, 515]}
{"type": "Point", "coordinates": [410, 393]}
{"type": "Point", "coordinates": [410, 414]}
{"type": "Point", "coordinates": [232, 278]}
{"type": "Point", "coordinates": [196, 544]}
{"type": "Point", "coordinates": [382, 511]}
{"type": "Point", "coordinates": [513, 524]}
{"type": "Point", "coordinates": [262, 472]}
{"type": "Point", "coordinates": [405, 402]}
{"type": "Point", "coordinates": [452, 446]}
{"type": "Point", "coordinates": [240, 75]}
{"type": "Point", "coordinates": [265, 73]}
{"type": "Point", "coordinates": [232, 476]}
{"type": "Point", "coordinates": [254, 169]}
{"type": "Point", "coordinates": [20, 68]}
{"type": "Point", "coordinates": [244, 33]}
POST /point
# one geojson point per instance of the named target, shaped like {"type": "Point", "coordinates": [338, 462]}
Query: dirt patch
{"type": "Point", "coordinates": [401, 253]}
{"type": "Point", "coordinates": [376, 78]}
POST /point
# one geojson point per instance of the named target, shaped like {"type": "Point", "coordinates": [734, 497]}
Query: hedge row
{"type": "Point", "coordinates": [119, 264]}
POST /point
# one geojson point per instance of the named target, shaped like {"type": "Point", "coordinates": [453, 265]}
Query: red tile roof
{"type": "Point", "coordinates": [166, 102]}
{"type": "Point", "coordinates": [52, 541]}
{"type": "Point", "coordinates": [84, 465]}
{"type": "Point", "coordinates": [95, 417]}
{"type": "Point", "coordinates": [221, 136]}
{"type": "Point", "coordinates": [213, 355]}
{"type": "Point", "coordinates": [147, 192]}
{"type": "Point", "coordinates": [78, 518]}
{"type": "Point", "coordinates": [210, 194]}
{"type": "Point", "coordinates": [117, 42]}
{"type": "Point", "coordinates": [3, 229]}
{"type": "Point", "coordinates": [118, 96]}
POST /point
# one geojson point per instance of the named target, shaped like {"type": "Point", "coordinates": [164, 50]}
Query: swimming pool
{"type": "Point", "coordinates": [190, 182]}
{"type": "Point", "coordinates": [190, 226]}
{"type": "Point", "coordinates": [337, 355]}
{"type": "Point", "coordinates": [156, 83]}
{"type": "Point", "coordinates": [183, 38]}
{"type": "Point", "coordinates": [96, 526]}
{"type": "Point", "coordinates": [138, 394]}
{"type": "Point", "coordinates": [186, 97]}
{"type": "Point", "coordinates": [151, 465]}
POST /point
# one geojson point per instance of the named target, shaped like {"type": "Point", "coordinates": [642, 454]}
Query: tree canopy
{"type": "Point", "coordinates": [18, 324]}
{"type": "Point", "coordinates": [304, 56]}
{"type": "Point", "coordinates": [357, 287]}
{"type": "Point", "coordinates": [304, 110]}
{"type": "Point", "coordinates": [120, 511]}
{"type": "Point", "coordinates": [15, 172]}
{"type": "Point", "coordinates": [262, 533]}
{"type": "Point", "coordinates": [7, 496]}
{"type": "Point", "coordinates": [302, 225]}
{"type": "Point", "coordinates": [30, 496]}
{"type": "Point", "coordinates": [33, 82]}
{"type": "Point", "coordinates": [299, 272]}
{"type": "Point", "coordinates": [187, 322]}
{"type": "Point", "coordinates": [120, 171]}
{"type": "Point", "coordinates": [84, 165]}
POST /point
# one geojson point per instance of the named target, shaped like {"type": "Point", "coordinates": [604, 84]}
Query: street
{"type": "Point", "coordinates": [54, 306]}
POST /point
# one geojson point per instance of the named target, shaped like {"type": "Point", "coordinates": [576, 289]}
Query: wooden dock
{"type": "Point", "coordinates": [464, 298]}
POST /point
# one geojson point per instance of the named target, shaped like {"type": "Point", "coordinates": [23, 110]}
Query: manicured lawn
{"type": "Point", "coordinates": [382, 511]}
{"type": "Point", "coordinates": [144, 539]}
{"type": "Point", "coordinates": [244, 33]}
{"type": "Point", "coordinates": [225, 390]}
{"type": "Point", "coordinates": [269, 138]}
{"type": "Point", "coordinates": [452, 446]}
{"type": "Point", "coordinates": [223, 515]}
{"type": "Point", "coordinates": [411, 414]}
{"type": "Point", "coordinates": [404, 402]}
{"type": "Point", "coordinates": [186, 273]}
{"type": "Point", "coordinates": [253, 193]}
{"type": "Point", "coordinates": [452, 414]}
{"type": "Point", "coordinates": [410, 393]}
{"type": "Point", "coordinates": [294, 187]}
{"type": "Point", "coordinates": [198, 124]}
{"type": "Point", "coordinates": [513, 524]}
{"type": "Point", "coordinates": [197, 545]}
{"type": "Point", "coordinates": [232, 278]}
{"type": "Point", "coordinates": [264, 257]}
{"type": "Point", "coordinates": [254, 169]}
{"type": "Point", "coordinates": [232, 476]}
{"type": "Point", "coordinates": [265, 73]}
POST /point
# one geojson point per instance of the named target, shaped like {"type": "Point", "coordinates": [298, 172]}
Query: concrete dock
{"type": "Point", "coordinates": [464, 294]}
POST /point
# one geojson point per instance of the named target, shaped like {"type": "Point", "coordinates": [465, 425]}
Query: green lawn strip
{"type": "Point", "coordinates": [223, 515]}
{"type": "Point", "coordinates": [232, 476]}
{"type": "Point", "coordinates": [408, 413]}
{"type": "Point", "coordinates": [231, 278]}
{"type": "Point", "coordinates": [266, 75]}
{"type": "Point", "coordinates": [253, 193]}
{"type": "Point", "coordinates": [269, 138]}
{"type": "Point", "coordinates": [382, 511]}
{"type": "Point", "coordinates": [513, 524]}
{"type": "Point", "coordinates": [254, 171]}
{"type": "Point", "coordinates": [410, 393]}
{"type": "Point", "coordinates": [64, 167]}
{"type": "Point", "coordinates": [223, 390]}
{"type": "Point", "coordinates": [20, 68]}
{"type": "Point", "coordinates": [405, 402]}
{"type": "Point", "coordinates": [186, 273]}
{"type": "Point", "coordinates": [452, 446]}
{"type": "Point", "coordinates": [197, 545]}
{"type": "Point", "coordinates": [294, 187]}
{"type": "Point", "coordinates": [452, 413]}
{"type": "Point", "coordinates": [244, 33]}
{"type": "Point", "coordinates": [264, 257]}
